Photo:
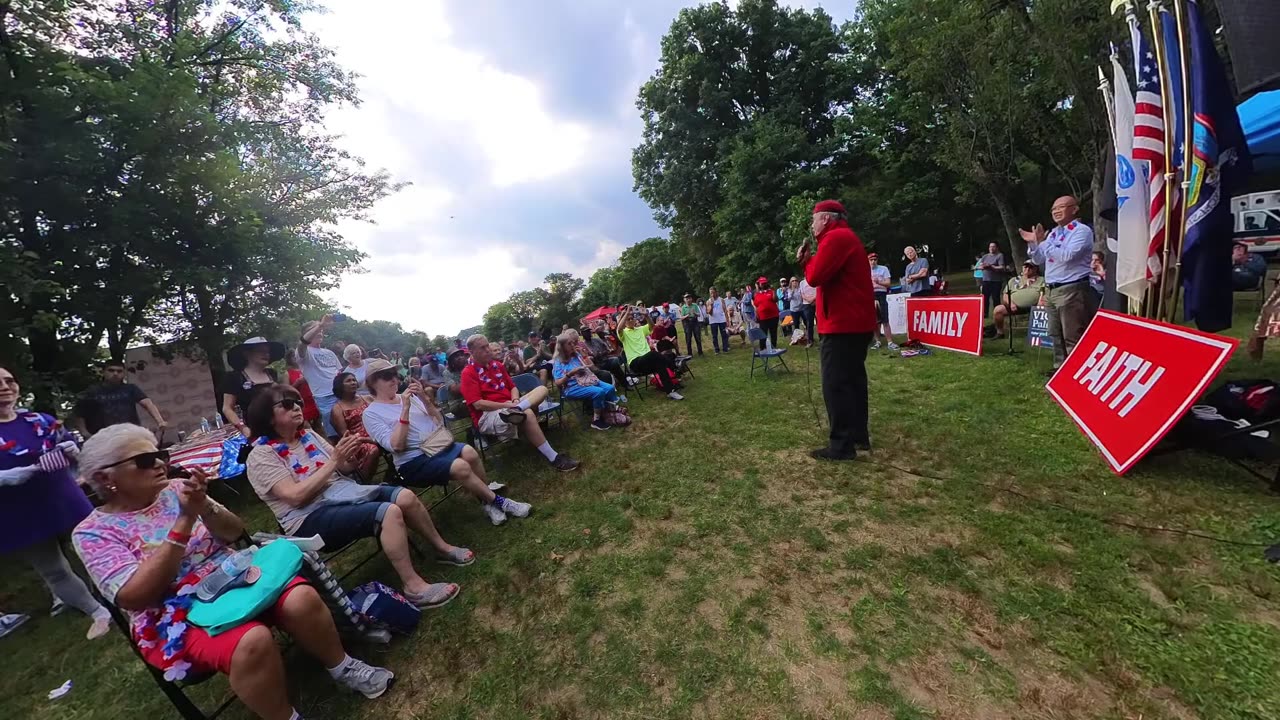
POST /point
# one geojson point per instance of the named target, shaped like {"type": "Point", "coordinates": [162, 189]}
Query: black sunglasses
{"type": "Point", "coordinates": [144, 461]}
{"type": "Point", "coordinates": [385, 375]}
{"type": "Point", "coordinates": [289, 404]}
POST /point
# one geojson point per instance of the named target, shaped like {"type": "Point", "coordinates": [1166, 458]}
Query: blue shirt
{"type": "Point", "coordinates": [1065, 254]}
{"type": "Point", "coordinates": [560, 369]}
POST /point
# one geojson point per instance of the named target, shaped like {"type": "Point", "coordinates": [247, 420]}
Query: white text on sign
{"type": "Point", "coordinates": [1108, 369]}
{"type": "Point", "coordinates": [939, 322]}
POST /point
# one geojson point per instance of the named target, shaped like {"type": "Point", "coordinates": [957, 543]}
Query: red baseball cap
{"type": "Point", "coordinates": [831, 206]}
{"type": "Point", "coordinates": [762, 280]}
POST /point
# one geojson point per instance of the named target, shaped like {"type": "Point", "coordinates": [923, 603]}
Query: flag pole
{"type": "Point", "coordinates": [1108, 99]}
{"type": "Point", "coordinates": [1188, 145]}
{"type": "Point", "coordinates": [1166, 88]}
{"type": "Point", "coordinates": [1146, 306]}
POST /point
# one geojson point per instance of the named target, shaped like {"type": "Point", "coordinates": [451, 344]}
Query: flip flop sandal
{"type": "Point", "coordinates": [437, 595]}
{"type": "Point", "coordinates": [457, 557]}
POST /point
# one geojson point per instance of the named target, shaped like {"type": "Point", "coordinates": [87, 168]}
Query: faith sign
{"type": "Point", "coordinates": [949, 323]}
{"type": "Point", "coordinates": [1129, 380]}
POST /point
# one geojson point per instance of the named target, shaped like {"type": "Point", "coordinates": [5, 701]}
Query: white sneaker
{"type": "Point", "coordinates": [515, 508]}
{"type": "Point", "coordinates": [366, 679]}
{"type": "Point", "coordinates": [875, 345]}
{"type": "Point", "coordinates": [675, 395]}
{"type": "Point", "coordinates": [893, 346]}
{"type": "Point", "coordinates": [496, 516]}
{"type": "Point", "coordinates": [101, 625]}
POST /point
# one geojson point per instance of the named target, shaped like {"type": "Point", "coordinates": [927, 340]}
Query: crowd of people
{"type": "Point", "coordinates": [310, 443]}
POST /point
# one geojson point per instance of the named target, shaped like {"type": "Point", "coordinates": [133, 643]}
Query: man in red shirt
{"type": "Point", "coordinates": [846, 320]}
{"type": "Point", "coordinates": [497, 409]}
{"type": "Point", "coordinates": [766, 310]}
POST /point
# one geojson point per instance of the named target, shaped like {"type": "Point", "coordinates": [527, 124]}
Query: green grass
{"type": "Point", "coordinates": [701, 565]}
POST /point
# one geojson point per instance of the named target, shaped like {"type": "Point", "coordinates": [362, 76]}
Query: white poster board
{"type": "Point", "coordinates": [898, 313]}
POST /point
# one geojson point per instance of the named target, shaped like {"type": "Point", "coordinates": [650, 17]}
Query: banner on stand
{"type": "Point", "coordinates": [948, 323]}
{"type": "Point", "coordinates": [1038, 328]}
{"type": "Point", "coordinates": [1129, 380]}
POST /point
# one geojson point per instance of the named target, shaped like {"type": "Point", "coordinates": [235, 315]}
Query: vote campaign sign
{"type": "Point", "coordinates": [1038, 328]}
{"type": "Point", "coordinates": [898, 313]}
{"type": "Point", "coordinates": [1129, 380]}
{"type": "Point", "coordinates": [950, 322]}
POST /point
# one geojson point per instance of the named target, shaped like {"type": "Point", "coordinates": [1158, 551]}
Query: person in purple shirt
{"type": "Point", "coordinates": [39, 500]}
{"type": "Point", "coordinates": [1065, 253]}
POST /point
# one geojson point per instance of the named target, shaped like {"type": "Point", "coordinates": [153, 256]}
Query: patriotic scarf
{"type": "Point", "coordinates": [492, 375]}
{"type": "Point", "coordinates": [309, 446]}
{"type": "Point", "coordinates": [48, 433]}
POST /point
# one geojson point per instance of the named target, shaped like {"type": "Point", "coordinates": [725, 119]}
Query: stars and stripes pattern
{"type": "Point", "coordinates": [1149, 141]}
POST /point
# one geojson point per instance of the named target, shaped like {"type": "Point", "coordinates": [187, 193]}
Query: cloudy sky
{"type": "Point", "coordinates": [514, 122]}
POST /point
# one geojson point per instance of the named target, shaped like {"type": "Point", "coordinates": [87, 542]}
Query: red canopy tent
{"type": "Point", "coordinates": [600, 313]}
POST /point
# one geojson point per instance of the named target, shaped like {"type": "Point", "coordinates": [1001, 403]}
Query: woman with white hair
{"type": "Point", "coordinates": [577, 381]}
{"type": "Point", "coordinates": [39, 500]}
{"type": "Point", "coordinates": [155, 538]}
{"type": "Point", "coordinates": [354, 358]}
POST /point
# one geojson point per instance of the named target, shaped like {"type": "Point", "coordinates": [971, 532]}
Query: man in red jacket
{"type": "Point", "coordinates": [846, 320]}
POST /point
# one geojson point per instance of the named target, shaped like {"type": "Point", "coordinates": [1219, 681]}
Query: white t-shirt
{"type": "Point", "coordinates": [717, 310]}
{"type": "Point", "coordinates": [359, 372]}
{"type": "Point", "coordinates": [382, 418]}
{"type": "Point", "coordinates": [319, 366]}
{"type": "Point", "coordinates": [808, 293]}
{"type": "Point", "coordinates": [882, 272]}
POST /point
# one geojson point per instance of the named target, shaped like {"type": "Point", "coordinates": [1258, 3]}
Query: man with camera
{"type": "Point", "coordinates": [846, 320]}
{"type": "Point", "coordinates": [634, 329]}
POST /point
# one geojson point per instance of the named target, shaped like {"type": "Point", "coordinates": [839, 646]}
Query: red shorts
{"type": "Point", "coordinates": [208, 654]}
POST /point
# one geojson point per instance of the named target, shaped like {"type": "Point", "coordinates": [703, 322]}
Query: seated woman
{"type": "Point", "coordinates": [346, 417]}
{"type": "Point", "coordinates": [578, 382]}
{"type": "Point", "coordinates": [602, 354]}
{"type": "Point", "coordinates": [413, 429]}
{"type": "Point", "coordinates": [304, 481]}
{"type": "Point", "coordinates": [154, 537]}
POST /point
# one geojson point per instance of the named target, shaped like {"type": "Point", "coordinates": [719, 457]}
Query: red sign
{"type": "Point", "coordinates": [1129, 380]}
{"type": "Point", "coordinates": [950, 322]}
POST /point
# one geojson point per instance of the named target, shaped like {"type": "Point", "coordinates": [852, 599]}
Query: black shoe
{"type": "Point", "coordinates": [827, 454]}
{"type": "Point", "coordinates": [863, 446]}
{"type": "Point", "coordinates": [564, 463]}
{"type": "Point", "coordinates": [514, 416]}
{"type": "Point", "coordinates": [600, 425]}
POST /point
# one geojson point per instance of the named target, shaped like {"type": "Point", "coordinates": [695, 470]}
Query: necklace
{"type": "Point", "coordinates": [308, 446]}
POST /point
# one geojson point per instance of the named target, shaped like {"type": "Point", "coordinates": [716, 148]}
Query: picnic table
{"type": "Point", "coordinates": [204, 451]}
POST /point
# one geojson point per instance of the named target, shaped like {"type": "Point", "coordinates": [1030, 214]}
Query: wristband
{"type": "Point", "coordinates": [177, 537]}
{"type": "Point", "coordinates": [403, 421]}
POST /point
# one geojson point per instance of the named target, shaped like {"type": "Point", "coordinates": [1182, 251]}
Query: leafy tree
{"type": "Point", "coordinates": [601, 290]}
{"type": "Point", "coordinates": [163, 176]}
{"type": "Point", "coordinates": [650, 271]}
{"type": "Point", "coordinates": [562, 298]}
{"type": "Point", "coordinates": [740, 116]}
{"type": "Point", "coordinates": [502, 322]}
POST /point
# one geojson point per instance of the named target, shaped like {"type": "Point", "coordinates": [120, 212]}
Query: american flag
{"type": "Point", "coordinates": [1148, 139]}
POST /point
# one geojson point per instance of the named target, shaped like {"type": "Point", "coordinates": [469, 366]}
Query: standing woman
{"type": "Point", "coordinates": [310, 413]}
{"type": "Point", "coordinates": [766, 311]}
{"type": "Point", "coordinates": [347, 416]}
{"type": "Point", "coordinates": [39, 500]}
{"type": "Point", "coordinates": [249, 374]}
{"type": "Point", "coordinates": [354, 358]}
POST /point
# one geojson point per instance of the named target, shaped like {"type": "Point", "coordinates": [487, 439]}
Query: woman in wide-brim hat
{"type": "Point", "coordinates": [249, 374]}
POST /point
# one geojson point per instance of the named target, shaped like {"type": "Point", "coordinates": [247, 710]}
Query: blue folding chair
{"type": "Point", "coordinates": [527, 383]}
{"type": "Point", "coordinates": [769, 353]}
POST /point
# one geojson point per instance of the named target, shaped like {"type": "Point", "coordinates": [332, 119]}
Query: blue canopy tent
{"type": "Point", "coordinates": [1260, 120]}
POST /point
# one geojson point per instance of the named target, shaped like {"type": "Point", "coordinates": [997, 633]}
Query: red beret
{"type": "Point", "coordinates": [829, 206]}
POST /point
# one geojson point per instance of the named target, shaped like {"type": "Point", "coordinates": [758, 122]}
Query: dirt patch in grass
{"type": "Point", "coordinates": [821, 685]}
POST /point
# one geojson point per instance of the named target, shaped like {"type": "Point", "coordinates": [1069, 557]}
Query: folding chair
{"type": "Point", "coordinates": [527, 383]}
{"type": "Point", "coordinates": [769, 352]}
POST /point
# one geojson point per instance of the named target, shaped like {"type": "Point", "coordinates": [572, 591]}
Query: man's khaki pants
{"type": "Point", "coordinates": [1071, 308]}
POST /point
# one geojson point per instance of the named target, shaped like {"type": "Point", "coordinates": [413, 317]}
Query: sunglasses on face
{"type": "Point", "coordinates": [289, 404]}
{"type": "Point", "coordinates": [384, 375]}
{"type": "Point", "coordinates": [144, 461]}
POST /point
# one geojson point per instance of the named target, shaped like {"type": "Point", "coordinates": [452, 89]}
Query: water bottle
{"type": "Point", "coordinates": [239, 562]}
{"type": "Point", "coordinates": [204, 424]}
{"type": "Point", "coordinates": [217, 419]}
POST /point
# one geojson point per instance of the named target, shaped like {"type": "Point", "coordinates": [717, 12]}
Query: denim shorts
{"type": "Point", "coordinates": [424, 471]}
{"type": "Point", "coordinates": [339, 525]}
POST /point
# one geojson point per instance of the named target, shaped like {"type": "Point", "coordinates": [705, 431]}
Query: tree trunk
{"type": "Point", "coordinates": [1017, 247]}
{"type": "Point", "coordinates": [209, 336]}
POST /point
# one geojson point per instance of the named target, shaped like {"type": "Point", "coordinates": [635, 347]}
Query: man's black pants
{"type": "Point", "coordinates": [991, 291]}
{"type": "Point", "coordinates": [844, 388]}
